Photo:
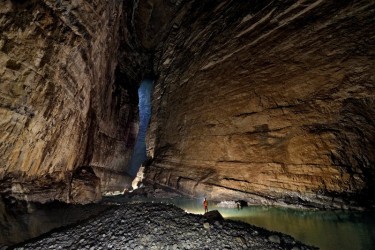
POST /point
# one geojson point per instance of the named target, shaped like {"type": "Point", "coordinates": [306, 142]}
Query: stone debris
{"type": "Point", "coordinates": [213, 215]}
{"type": "Point", "coordinates": [274, 239]}
{"type": "Point", "coordinates": [160, 226]}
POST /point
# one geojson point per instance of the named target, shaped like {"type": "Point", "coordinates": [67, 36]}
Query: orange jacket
{"type": "Point", "coordinates": [205, 203]}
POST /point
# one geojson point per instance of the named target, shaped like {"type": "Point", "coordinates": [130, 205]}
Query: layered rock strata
{"type": "Point", "coordinates": [62, 106]}
{"type": "Point", "coordinates": [268, 102]}
{"type": "Point", "coordinates": [265, 101]}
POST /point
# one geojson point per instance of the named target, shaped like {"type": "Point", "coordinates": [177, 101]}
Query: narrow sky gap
{"type": "Point", "coordinates": [139, 153]}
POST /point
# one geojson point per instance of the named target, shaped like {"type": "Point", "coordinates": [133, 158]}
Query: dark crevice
{"type": "Point", "coordinates": [139, 154]}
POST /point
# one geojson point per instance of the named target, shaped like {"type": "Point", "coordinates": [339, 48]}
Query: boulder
{"type": "Point", "coordinates": [213, 215]}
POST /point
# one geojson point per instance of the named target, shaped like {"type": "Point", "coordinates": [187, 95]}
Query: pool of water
{"type": "Point", "coordinates": [20, 221]}
{"type": "Point", "coordinates": [328, 230]}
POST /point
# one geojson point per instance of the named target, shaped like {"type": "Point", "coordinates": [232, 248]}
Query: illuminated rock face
{"type": "Point", "coordinates": [61, 104]}
{"type": "Point", "coordinates": [269, 102]}
{"type": "Point", "coordinates": [264, 101]}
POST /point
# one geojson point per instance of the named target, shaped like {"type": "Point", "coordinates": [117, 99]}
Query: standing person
{"type": "Point", "coordinates": [205, 205]}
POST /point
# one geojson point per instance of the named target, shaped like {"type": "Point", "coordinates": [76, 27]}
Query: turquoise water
{"type": "Point", "coordinates": [328, 230]}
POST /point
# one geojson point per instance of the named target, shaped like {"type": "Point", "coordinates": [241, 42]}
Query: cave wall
{"type": "Point", "coordinates": [63, 103]}
{"type": "Point", "coordinates": [267, 101]}
{"type": "Point", "coordinates": [69, 75]}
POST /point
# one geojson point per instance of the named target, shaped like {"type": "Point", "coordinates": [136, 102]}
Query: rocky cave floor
{"type": "Point", "coordinates": [145, 225]}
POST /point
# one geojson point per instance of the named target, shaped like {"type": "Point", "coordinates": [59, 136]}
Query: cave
{"type": "Point", "coordinates": [144, 106]}
{"type": "Point", "coordinates": [271, 103]}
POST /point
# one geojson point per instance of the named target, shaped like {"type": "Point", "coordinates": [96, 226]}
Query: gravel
{"type": "Point", "coordinates": [159, 226]}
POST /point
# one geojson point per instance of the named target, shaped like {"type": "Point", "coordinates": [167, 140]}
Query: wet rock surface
{"type": "Point", "coordinates": [159, 226]}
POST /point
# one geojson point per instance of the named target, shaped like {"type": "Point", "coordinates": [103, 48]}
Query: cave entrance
{"type": "Point", "coordinates": [144, 105]}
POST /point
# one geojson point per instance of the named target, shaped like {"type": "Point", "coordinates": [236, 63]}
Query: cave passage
{"type": "Point", "coordinates": [139, 153]}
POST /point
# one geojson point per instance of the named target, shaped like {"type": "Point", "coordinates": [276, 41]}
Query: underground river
{"type": "Point", "coordinates": [328, 230]}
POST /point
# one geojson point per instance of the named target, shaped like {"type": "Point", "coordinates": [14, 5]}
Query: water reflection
{"type": "Point", "coordinates": [328, 230]}
{"type": "Point", "coordinates": [20, 221]}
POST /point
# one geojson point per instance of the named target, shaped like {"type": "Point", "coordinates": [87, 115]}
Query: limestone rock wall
{"type": "Point", "coordinates": [61, 104]}
{"type": "Point", "coordinates": [267, 101]}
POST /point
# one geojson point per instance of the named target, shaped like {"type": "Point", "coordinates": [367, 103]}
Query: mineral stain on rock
{"type": "Point", "coordinates": [266, 102]}
{"type": "Point", "coordinates": [276, 103]}
{"type": "Point", "coordinates": [262, 101]}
